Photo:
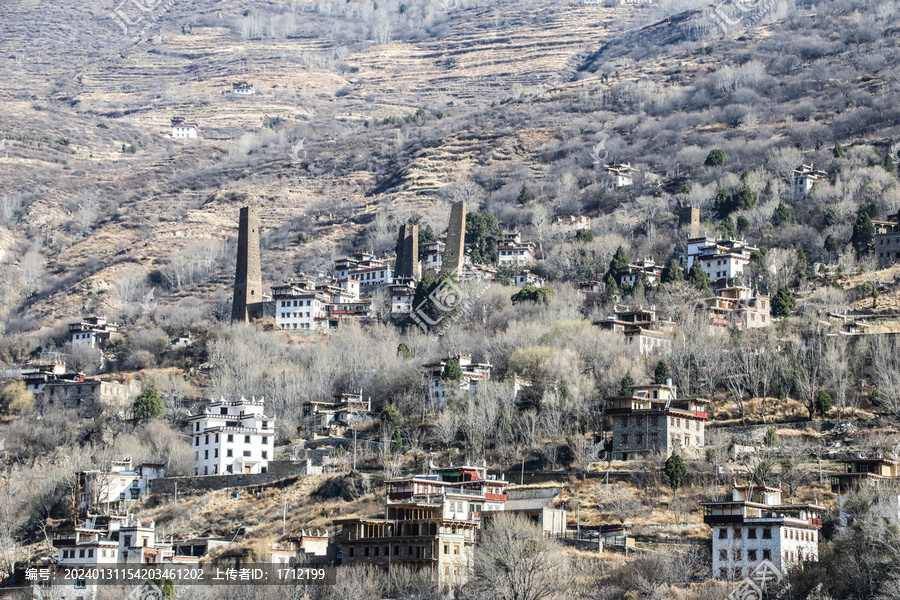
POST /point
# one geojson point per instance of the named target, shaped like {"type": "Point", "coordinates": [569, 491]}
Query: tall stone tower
{"type": "Point", "coordinates": [455, 250]}
{"type": "Point", "coordinates": [408, 252]}
{"type": "Point", "coordinates": [689, 219]}
{"type": "Point", "coordinates": [248, 302]}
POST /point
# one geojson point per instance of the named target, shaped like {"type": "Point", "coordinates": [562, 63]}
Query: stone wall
{"type": "Point", "coordinates": [277, 469]}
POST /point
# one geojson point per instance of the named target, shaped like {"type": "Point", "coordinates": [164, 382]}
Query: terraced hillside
{"type": "Point", "coordinates": [366, 114]}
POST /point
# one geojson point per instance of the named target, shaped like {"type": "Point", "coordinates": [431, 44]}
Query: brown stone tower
{"type": "Point", "coordinates": [689, 219]}
{"type": "Point", "coordinates": [455, 250]}
{"type": "Point", "coordinates": [408, 253]}
{"type": "Point", "coordinates": [247, 303]}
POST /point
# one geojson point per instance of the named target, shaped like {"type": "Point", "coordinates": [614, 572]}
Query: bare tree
{"type": "Point", "coordinates": [446, 426]}
{"type": "Point", "coordinates": [884, 353]}
{"type": "Point", "coordinates": [514, 561]}
{"type": "Point", "coordinates": [806, 363]}
{"type": "Point", "coordinates": [648, 211]}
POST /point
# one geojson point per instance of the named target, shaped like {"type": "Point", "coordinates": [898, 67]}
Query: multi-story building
{"type": "Point", "coordinates": [36, 377]}
{"type": "Point", "coordinates": [619, 175]}
{"type": "Point", "coordinates": [874, 475]}
{"type": "Point", "coordinates": [755, 526]}
{"type": "Point", "coordinates": [232, 437]}
{"type": "Point", "coordinates": [720, 259]}
{"type": "Point", "coordinates": [298, 305]}
{"type": "Point", "coordinates": [653, 420]}
{"type": "Point", "coordinates": [331, 419]}
{"type": "Point", "coordinates": [364, 268]}
{"type": "Point", "coordinates": [108, 491]}
{"type": "Point", "coordinates": [243, 88]}
{"type": "Point", "coordinates": [629, 274]}
{"type": "Point", "coordinates": [103, 541]}
{"type": "Point", "coordinates": [572, 224]}
{"type": "Point", "coordinates": [434, 254]}
{"type": "Point", "coordinates": [526, 278]}
{"type": "Point", "coordinates": [440, 389]}
{"type": "Point", "coordinates": [402, 294]}
{"type": "Point", "coordinates": [739, 306]}
{"type": "Point", "coordinates": [342, 312]}
{"type": "Point", "coordinates": [640, 327]}
{"type": "Point", "coordinates": [93, 332]}
{"type": "Point", "coordinates": [845, 324]}
{"type": "Point", "coordinates": [886, 243]}
{"type": "Point", "coordinates": [648, 341]}
{"type": "Point", "coordinates": [476, 272]}
{"type": "Point", "coordinates": [89, 394]}
{"type": "Point", "coordinates": [431, 522]}
{"type": "Point", "coordinates": [107, 539]}
{"type": "Point", "coordinates": [92, 545]}
{"type": "Point", "coordinates": [806, 177]}
{"type": "Point", "coordinates": [512, 250]}
{"type": "Point", "coordinates": [301, 304]}
{"type": "Point", "coordinates": [182, 129]}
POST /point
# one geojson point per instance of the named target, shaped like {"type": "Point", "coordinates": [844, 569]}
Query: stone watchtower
{"type": "Point", "coordinates": [455, 250]}
{"type": "Point", "coordinates": [407, 253]}
{"type": "Point", "coordinates": [248, 301]}
{"type": "Point", "coordinates": [689, 218]}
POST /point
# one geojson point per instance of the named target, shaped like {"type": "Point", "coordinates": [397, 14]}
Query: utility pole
{"type": "Point", "coordinates": [284, 515]}
{"type": "Point", "coordinates": [390, 556]}
{"type": "Point", "coordinates": [176, 493]}
{"type": "Point", "coordinates": [578, 520]}
{"type": "Point", "coordinates": [607, 480]}
{"type": "Point", "coordinates": [522, 478]}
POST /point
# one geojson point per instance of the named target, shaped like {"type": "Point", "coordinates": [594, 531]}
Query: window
{"type": "Point", "coordinates": [723, 573]}
{"type": "Point", "coordinates": [751, 533]}
{"type": "Point", "coordinates": [246, 439]}
{"type": "Point", "coordinates": [446, 548]}
{"type": "Point", "coordinates": [206, 441]}
{"type": "Point", "coordinates": [246, 453]}
{"type": "Point", "coordinates": [737, 553]}
{"type": "Point", "coordinates": [196, 441]}
{"type": "Point", "coordinates": [723, 534]}
{"type": "Point", "coordinates": [80, 584]}
{"type": "Point", "coordinates": [265, 455]}
{"type": "Point", "coordinates": [624, 438]}
{"type": "Point", "coordinates": [216, 440]}
{"type": "Point", "coordinates": [723, 554]}
{"type": "Point", "coordinates": [90, 553]}
{"type": "Point", "coordinates": [230, 438]}
{"type": "Point", "coordinates": [229, 453]}
{"type": "Point", "coordinates": [265, 440]}
{"type": "Point", "coordinates": [767, 533]}
{"type": "Point", "coordinates": [229, 468]}
{"type": "Point", "coordinates": [206, 454]}
{"type": "Point", "coordinates": [216, 453]}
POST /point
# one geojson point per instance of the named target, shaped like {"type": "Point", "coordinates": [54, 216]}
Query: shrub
{"type": "Point", "coordinates": [148, 405]}
{"type": "Point", "coordinates": [716, 158]}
